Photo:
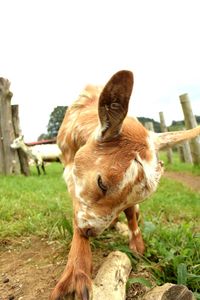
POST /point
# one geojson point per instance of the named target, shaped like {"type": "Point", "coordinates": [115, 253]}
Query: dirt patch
{"type": "Point", "coordinates": [191, 181]}
{"type": "Point", "coordinates": [30, 267]}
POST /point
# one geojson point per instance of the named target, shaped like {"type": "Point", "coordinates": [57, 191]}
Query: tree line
{"type": "Point", "coordinates": [58, 114]}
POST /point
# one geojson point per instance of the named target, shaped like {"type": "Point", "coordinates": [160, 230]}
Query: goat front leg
{"type": "Point", "coordinates": [43, 168]}
{"type": "Point", "coordinates": [75, 279]}
{"type": "Point", "coordinates": [38, 168]}
{"type": "Point", "coordinates": [136, 242]}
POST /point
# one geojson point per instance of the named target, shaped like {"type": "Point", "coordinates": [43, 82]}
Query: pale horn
{"type": "Point", "coordinates": [169, 139]}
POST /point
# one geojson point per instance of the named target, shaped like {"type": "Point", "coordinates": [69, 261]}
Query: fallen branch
{"type": "Point", "coordinates": [169, 291]}
{"type": "Point", "coordinates": [110, 282]}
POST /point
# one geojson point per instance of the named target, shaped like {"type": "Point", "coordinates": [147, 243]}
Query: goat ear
{"type": "Point", "coordinates": [113, 104]}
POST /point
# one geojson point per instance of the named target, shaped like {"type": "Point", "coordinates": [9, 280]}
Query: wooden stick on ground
{"type": "Point", "coordinates": [110, 282]}
{"type": "Point", "coordinates": [169, 291]}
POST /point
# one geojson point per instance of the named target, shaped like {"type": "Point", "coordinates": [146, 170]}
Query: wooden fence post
{"type": "Point", "coordinates": [23, 158]}
{"type": "Point", "coordinates": [9, 160]}
{"type": "Point", "coordinates": [187, 156]}
{"type": "Point", "coordinates": [149, 126]}
{"type": "Point", "coordinates": [190, 122]}
{"type": "Point", "coordinates": [164, 129]}
{"type": "Point", "coordinates": [181, 153]}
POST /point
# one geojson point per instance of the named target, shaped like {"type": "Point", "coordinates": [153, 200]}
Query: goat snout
{"type": "Point", "coordinates": [88, 232]}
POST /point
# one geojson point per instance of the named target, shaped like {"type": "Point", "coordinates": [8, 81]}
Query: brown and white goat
{"type": "Point", "coordinates": [110, 165]}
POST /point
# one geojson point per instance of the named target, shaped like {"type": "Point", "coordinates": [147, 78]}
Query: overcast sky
{"type": "Point", "coordinates": [49, 50]}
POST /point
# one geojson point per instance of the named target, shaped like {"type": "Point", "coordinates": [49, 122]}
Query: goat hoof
{"type": "Point", "coordinates": [74, 283]}
{"type": "Point", "coordinates": [139, 248]}
{"type": "Point", "coordinates": [136, 244]}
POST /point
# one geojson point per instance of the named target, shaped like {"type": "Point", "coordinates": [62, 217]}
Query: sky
{"type": "Point", "coordinates": [50, 49]}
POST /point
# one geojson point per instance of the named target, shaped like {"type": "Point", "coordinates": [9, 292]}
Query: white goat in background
{"type": "Point", "coordinates": [39, 153]}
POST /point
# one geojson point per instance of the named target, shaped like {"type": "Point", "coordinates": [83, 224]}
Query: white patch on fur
{"type": "Point", "coordinates": [86, 218]}
{"type": "Point", "coordinates": [137, 208]}
{"type": "Point", "coordinates": [152, 173]}
{"type": "Point", "coordinates": [153, 170]}
{"type": "Point", "coordinates": [130, 174]}
{"type": "Point", "coordinates": [81, 218]}
{"type": "Point", "coordinates": [67, 175]}
{"type": "Point", "coordinates": [97, 133]}
{"type": "Point", "coordinates": [136, 231]}
{"type": "Point", "coordinates": [133, 233]}
{"type": "Point", "coordinates": [79, 188]}
{"type": "Point", "coordinates": [98, 161]}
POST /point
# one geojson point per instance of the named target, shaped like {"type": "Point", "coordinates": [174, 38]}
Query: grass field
{"type": "Point", "coordinates": [169, 220]}
{"type": "Point", "coordinates": [178, 166]}
{"type": "Point", "coordinates": [34, 205]}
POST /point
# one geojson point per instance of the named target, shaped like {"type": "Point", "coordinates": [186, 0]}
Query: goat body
{"type": "Point", "coordinates": [38, 153]}
{"type": "Point", "coordinates": [48, 152]}
{"type": "Point", "coordinates": [111, 165]}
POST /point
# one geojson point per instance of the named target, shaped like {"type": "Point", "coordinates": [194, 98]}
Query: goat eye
{"type": "Point", "coordinates": [101, 185]}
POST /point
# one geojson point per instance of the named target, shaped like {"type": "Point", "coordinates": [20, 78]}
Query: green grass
{"type": "Point", "coordinates": [169, 220]}
{"type": "Point", "coordinates": [171, 232]}
{"type": "Point", "coordinates": [170, 227]}
{"type": "Point", "coordinates": [34, 205]}
{"type": "Point", "coordinates": [179, 166]}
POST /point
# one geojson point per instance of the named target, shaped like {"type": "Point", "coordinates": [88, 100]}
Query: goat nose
{"type": "Point", "coordinates": [88, 232]}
